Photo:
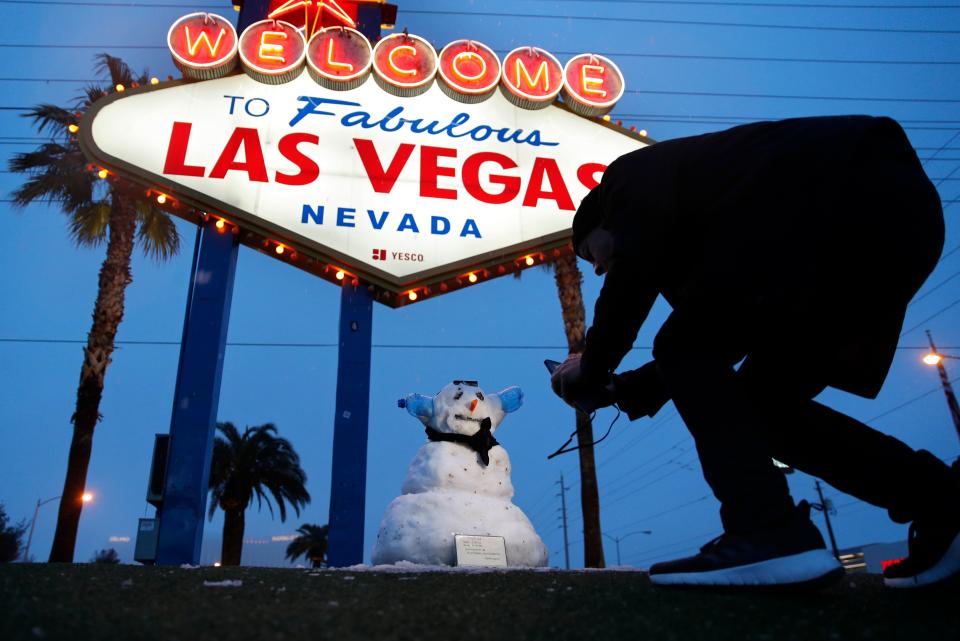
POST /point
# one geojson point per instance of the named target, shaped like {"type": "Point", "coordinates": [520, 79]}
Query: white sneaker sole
{"type": "Point", "coordinates": [945, 568]}
{"type": "Point", "coordinates": [785, 570]}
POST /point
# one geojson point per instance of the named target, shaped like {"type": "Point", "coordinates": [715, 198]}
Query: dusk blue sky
{"type": "Point", "coordinates": [690, 67]}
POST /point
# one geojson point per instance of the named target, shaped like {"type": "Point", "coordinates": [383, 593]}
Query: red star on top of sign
{"type": "Point", "coordinates": [314, 14]}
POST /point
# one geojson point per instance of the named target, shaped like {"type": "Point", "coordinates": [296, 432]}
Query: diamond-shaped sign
{"type": "Point", "coordinates": [402, 192]}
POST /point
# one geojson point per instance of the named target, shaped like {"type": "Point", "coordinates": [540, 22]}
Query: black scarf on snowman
{"type": "Point", "coordinates": [481, 442]}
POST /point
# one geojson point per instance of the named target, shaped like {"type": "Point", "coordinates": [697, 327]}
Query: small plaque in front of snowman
{"type": "Point", "coordinates": [481, 551]}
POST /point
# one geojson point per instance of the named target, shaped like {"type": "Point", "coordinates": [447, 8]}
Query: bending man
{"type": "Point", "coordinates": [791, 248]}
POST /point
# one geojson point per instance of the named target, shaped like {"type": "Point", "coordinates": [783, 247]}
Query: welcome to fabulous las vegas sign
{"type": "Point", "coordinates": [444, 170]}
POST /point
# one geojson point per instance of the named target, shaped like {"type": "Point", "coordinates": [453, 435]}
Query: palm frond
{"type": "Point", "coordinates": [157, 233]}
{"type": "Point", "coordinates": [114, 68]}
{"type": "Point", "coordinates": [89, 224]}
{"type": "Point", "coordinates": [55, 173]}
{"type": "Point", "coordinates": [51, 117]}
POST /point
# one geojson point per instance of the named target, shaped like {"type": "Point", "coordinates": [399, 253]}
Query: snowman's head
{"type": "Point", "coordinates": [461, 406]}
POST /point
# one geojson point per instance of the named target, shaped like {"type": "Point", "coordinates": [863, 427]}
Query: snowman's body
{"type": "Point", "coordinates": [449, 490]}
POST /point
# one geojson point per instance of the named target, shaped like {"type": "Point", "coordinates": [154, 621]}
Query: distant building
{"type": "Point", "coordinates": [872, 557]}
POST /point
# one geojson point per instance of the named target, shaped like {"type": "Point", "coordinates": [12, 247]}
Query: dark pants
{"type": "Point", "coordinates": [828, 314]}
{"type": "Point", "coordinates": [740, 419]}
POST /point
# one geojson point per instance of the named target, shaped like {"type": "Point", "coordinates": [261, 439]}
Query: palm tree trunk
{"type": "Point", "coordinates": [232, 548]}
{"type": "Point", "coordinates": [569, 279]}
{"type": "Point", "coordinates": [115, 275]}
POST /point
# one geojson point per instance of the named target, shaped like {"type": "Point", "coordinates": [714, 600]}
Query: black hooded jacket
{"type": "Point", "coordinates": [821, 226]}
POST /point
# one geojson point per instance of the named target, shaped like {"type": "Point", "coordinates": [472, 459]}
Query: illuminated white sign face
{"type": "Point", "coordinates": [401, 191]}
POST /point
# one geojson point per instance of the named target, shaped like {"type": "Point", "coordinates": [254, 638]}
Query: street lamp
{"type": "Point", "coordinates": [86, 497]}
{"type": "Point", "coordinates": [617, 540]}
{"type": "Point", "coordinates": [935, 359]}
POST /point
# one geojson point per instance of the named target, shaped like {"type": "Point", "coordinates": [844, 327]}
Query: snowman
{"type": "Point", "coordinates": [458, 483]}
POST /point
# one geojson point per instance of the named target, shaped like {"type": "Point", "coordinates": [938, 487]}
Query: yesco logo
{"type": "Point", "coordinates": [381, 254]}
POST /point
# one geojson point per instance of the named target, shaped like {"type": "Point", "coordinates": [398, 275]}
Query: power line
{"type": "Point", "coordinates": [934, 288]}
{"type": "Point", "coordinates": [720, 94]}
{"type": "Point", "coordinates": [650, 517]}
{"type": "Point", "coordinates": [115, 5]}
{"type": "Point", "coordinates": [692, 3]}
{"type": "Point", "coordinates": [621, 54]}
{"type": "Point", "coordinates": [781, 59]}
{"type": "Point", "coordinates": [937, 184]}
{"type": "Point", "coordinates": [767, 5]}
{"type": "Point", "coordinates": [930, 318]}
{"type": "Point", "coordinates": [924, 121]}
{"type": "Point", "coordinates": [42, 45]}
{"type": "Point", "coordinates": [673, 544]}
{"type": "Point", "coordinates": [942, 148]}
{"type": "Point", "coordinates": [680, 468]}
{"type": "Point", "coordinates": [696, 23]}
{"type": "Point", "coordinates": [546, 16]}
{"type": "Point", "coordinates": [908, 402]}
{"type": "Point", "coordinates": [135, 342]}
{"type": "Point", "coordinates": [949, 253]}
{"type": "Point", "coordinates": [608, 485]}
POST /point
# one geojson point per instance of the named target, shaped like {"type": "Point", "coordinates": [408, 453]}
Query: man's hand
{"type": "Point", "coordinates": [569, 383]}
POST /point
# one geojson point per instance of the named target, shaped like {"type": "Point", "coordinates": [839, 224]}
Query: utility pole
{"type": "Point", "coordinates": [33, 524]}
{"type": "Point", "coordinates": [563, 511]}
{"type": "Point", "coordinates": [936, 358]}
{"type": "Point", "coordinates": [824, 507]}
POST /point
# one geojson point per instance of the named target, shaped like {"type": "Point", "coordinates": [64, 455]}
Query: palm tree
{"type": "Point", "coordinates": [569, 279]}
{"type": "Point", "coordinates": [108, 556]}
{"type": "Point", "coordinates": [98, 211]}
{"type": "Point", "coordinates": [254, 464]}
{"type": "Point", "coordinates": [312, 544]}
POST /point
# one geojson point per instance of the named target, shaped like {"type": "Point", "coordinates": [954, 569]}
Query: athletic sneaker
{"type": "Point", "coordinates": [934, 557]}
{"type": "Point", "coordinates": [791, 554]}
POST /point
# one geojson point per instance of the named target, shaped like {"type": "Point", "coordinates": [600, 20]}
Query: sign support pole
{"type": "Point", "coordinates": [351, 423]}
{"type": "Point", "coordinates": [196, 396]}
{"type": "Point", "coordinates": [197, 391]}
{"type": "Point", "coordinates": [350, 427]}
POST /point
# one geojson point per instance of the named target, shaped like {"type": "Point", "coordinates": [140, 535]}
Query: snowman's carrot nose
{"type": "Point", "coordinates": [473, 404]}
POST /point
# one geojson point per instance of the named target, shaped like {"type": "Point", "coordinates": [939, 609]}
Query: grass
{"type": "Point", "coordinates": [80, 602]}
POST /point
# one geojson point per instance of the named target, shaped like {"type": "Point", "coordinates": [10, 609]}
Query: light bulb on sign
{"type": "Point", "coordinates": [161, 199]}
{"type": "Point", "coordinates": [531, 77]}
{"type": "Point", "coordinates": [203, 46]}
{"type": "Point", "coordinates": [120, 88]}
{"type": "Point", "coordinates": [592, 84]}
{"type": "Point", "coordinates": [529, 260]}
{"type": "Point", "coordinates": [472, 277]}
{"type": "Point", "coordinates": [103, 173]}
{"type": "Point", "coordinates": [279, 249]}
{"type": "Point", "coordinates": [412, 296]}
{"type": "Point", "coordinates": [220, 224]}
{"type": "Point", "coordinates": [469, 71]}
{"type": "Point", "coordinates": [340, 274]}
{"type": "Point", "coordinates": [73, 128]}
{"type": "Point", "coordinates": [339, 58]}
{"type": "Point", "coordinates": [272, 51]}
{"type": "Point", "coordinates": [404, 64]}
